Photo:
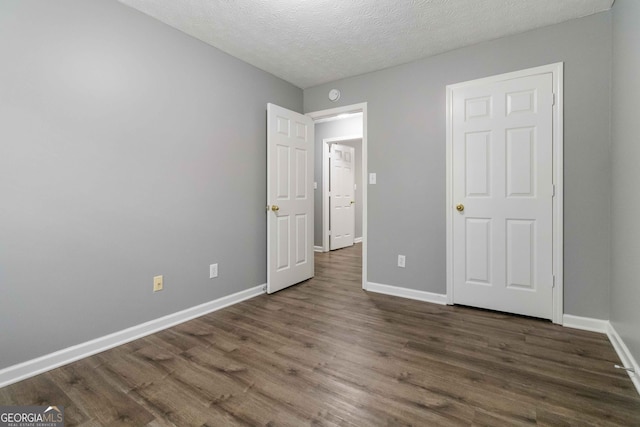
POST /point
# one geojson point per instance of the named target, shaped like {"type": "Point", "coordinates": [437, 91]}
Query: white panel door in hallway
{"type": "Point", "coordinates": [502, 148]}
{"type": "Point", "coordinates": [341, 196]}
{"type": "Point", "coordinates": [289, 197]}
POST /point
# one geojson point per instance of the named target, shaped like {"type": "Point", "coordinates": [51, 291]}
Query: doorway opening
{"type": "Point", "coordinates": [346, 127]}
{"type": "Point", "coordinates": [341, 191]}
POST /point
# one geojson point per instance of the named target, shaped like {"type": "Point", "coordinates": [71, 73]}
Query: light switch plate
{"type": "Point", "coordinates": [372, 178]}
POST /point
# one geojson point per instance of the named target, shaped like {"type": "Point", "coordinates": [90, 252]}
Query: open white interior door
{"type": "Point", "coordinates": [289, 197]}
{"type": "Point", "coordinates": [341, 196]}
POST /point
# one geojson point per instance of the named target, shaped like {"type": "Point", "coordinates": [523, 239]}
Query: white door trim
{"type": "Point", "coordinates": [558, 125]}
{"type": "Point", "coordinates": [325, 184]}
{"type": "Point", "coordinates": [355, 108]}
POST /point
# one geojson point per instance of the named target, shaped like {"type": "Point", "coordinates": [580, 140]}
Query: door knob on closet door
{"type": "Point", "coordinates": [275, 208]}
{"type": "Point", "coordinates": [460, 207]}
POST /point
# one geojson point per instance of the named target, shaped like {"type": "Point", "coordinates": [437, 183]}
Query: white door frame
{"type": "Point", "coordinates": [558, 125]}
{"type": "Point", "coordinates": [354, 108]}
{"type": "Point", "coordinates": [325, 184]}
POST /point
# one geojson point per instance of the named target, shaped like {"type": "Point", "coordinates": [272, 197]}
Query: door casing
{"type": "Point", "coordinates": [355, 108]}
{"type": "Point", "coordinates": [557, 130]}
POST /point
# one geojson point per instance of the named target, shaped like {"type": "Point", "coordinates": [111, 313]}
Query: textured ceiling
{"type": "Point", "coordinates": [309, 42]}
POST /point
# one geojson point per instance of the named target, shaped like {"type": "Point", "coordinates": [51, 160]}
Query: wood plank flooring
{"type": "Point", "coordinates": [326, 353]}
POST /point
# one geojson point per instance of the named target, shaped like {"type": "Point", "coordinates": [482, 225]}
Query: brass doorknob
{"type": "Point", "coordinates": [275, 208]}
{"type": "Point", "coordinates": [352, 202]}
{"type": "Point", "coordinates": [460, 207]}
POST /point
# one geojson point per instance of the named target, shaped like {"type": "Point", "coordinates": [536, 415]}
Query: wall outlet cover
{"type": "Point", "coordinates": [401, 261]}
{"type": "Point", "coordinates": [158, 284]}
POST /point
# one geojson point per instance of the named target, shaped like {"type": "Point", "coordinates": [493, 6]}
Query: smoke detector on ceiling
{"type": "Point", "coordinates": [334, 95]}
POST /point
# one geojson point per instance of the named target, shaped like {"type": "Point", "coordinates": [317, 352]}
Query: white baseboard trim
{"type": "Point", "coordinates": [407, 293]}
{"type": "Point", "coordinates": [30, 368]}
{"type": "Point", "coordinates": [318, 249]}
{"type": "Point", "coordinates": [605, 327]}
{"type": "Point", "coordinates": [585, 323]}
{"type": "Point", "coordinates": [627, 359]}
{"type": "Point", "coordinates": [357, 240]}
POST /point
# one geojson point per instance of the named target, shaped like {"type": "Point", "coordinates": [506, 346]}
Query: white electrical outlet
{"type": "Point", "coordinates": [401, 261]}
{"type": "Point", "coordinates": [372, 178]}
{"type": "Point", "coordinates": [213, 271]}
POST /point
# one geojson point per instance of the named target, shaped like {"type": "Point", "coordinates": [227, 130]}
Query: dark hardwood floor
{"type": "Point", "coordinates": [327, 353]}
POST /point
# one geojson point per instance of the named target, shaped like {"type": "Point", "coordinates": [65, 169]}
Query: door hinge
{"type": "Point", "coordinates": [553, 102]}
{"type": "Point", "coordinates": [554, 281]}
{"type": "Point", "coordinates": [553, 190]}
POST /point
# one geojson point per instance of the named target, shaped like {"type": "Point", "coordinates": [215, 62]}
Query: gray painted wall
{"type": "Point", "coordinates": [128, 150]}
{"type": "Point", "coordinates": [406, 143]}
{"type": "Point", "coordinates": [334, 129]}
{"type": "Point", "coordinates": [625, 197]}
